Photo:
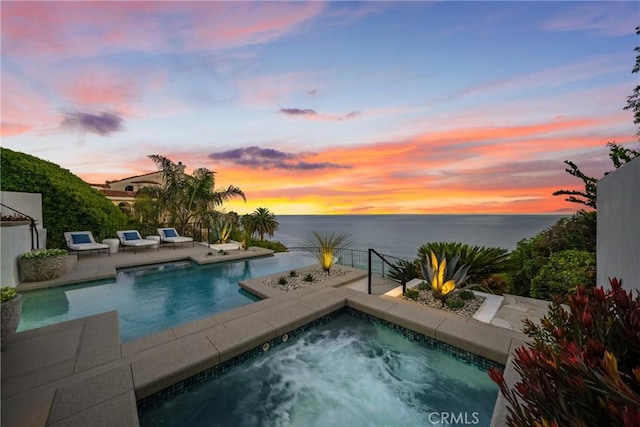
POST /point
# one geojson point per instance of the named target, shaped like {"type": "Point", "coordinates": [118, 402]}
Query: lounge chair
{"type": "Point", "coordinates": [170, 235]}
{"type": "Point", "coordinates": [83, 241]}
{"type": "Point", "coordinates": [132, 238]}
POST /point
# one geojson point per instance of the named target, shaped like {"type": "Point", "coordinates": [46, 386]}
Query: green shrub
{"type": "Point", "coordinates": [282, 280]}
{"type": "Point", "coordinates": [412, 293]}
{"type": "Point", "coordinates": [424, 286]}
{"type": "Point", "coordinates": [308, 278]}
{"type": "Point", "coordinates": [8, 293]}
{"type": "Point", "coordinates": [44, 253]}
{"type": "Point", "coordinates": [454, 303]}
{"type": "Point", "coordinates": [68, 203]}
{"type": "Point", "coordinates": [586, 357]}
{"type": "Point", "coordinates": [466, 295]}
{"type": "Point", "coordinates": [268, 244]}
{"type": "Point", "coordinates": [293, 273]}
{"type": "Point", "coordinates": [563, 273]}
{"type": "Point", "coordinates": [483, 262]}
{"type": "Point", "coordinates": [575, 232]}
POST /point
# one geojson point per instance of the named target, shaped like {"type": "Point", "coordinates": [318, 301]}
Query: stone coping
{"type": "Point", "coordinates": [258, 287]}
{"type": "Point", "coordinates": [229, 246]}
{"type": "Point", "coordinates": [485, 313]}
{"type": "Point", "coordinates": [77, 372]}
{"type": "Point", "coordinates": [489, 307]}
{"type": "Point", "coordinates": [93, 267]}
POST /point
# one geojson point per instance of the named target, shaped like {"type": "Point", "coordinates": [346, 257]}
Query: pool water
{"type": "Point", "coordinates": [348, 372]}
{"type": "Point", "coordinates": [154, 298]}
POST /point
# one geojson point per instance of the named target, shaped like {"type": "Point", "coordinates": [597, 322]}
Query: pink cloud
{"type": "Point", "coordinates": [227, 25]}
{"type": "Point", "coordinates": [104, 88]}
{"type": "Point", "coordinates": [54, 29]}
{"type": "Point", "coordinates": [101, 87]}
{"type": "Point", "coordinates": [23, 107]}
{"type": "Point", "coordinates": [12, 129]}
{"type": "Point", "coordinates": [57, 29]}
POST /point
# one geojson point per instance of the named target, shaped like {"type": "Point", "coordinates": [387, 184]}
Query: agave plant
{"type": "Point", "coordinates": [483, 261]}
{"type": "Point", "coordinates": [221, 229]}
{"type": "Point", "coordinates": [324, 247]}
{"type": "Point", "coordinates": [443, 276]}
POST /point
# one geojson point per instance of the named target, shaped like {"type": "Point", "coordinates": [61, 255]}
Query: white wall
{"type": "Point", "coordinates": [27, 203]}
{"type": "Point", "coordinates": [618, 238]}
{"type": "Point", "coordinates": [16, 240]}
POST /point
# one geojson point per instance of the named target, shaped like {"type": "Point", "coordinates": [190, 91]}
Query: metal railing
{"type": "Point", "coordinates": [32, 227]}
{"type": "Point", "coordinates": [401, 270]}
{"type": "Point", "coordinates": [382, 265]}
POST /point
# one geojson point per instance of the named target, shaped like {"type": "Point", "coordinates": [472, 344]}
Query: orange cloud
{"type": "Point", "coordinates": [482, 170]}
{"type": "Point", "coordinates": [494, 169]}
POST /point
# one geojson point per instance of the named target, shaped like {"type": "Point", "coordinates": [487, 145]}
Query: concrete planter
{"type": "Point", "coordinates": [39, 269]}
{"type": "Point", "coordinates": [10, 311]}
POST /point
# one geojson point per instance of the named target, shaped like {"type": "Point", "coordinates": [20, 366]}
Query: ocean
{"type": "Point", "coordinates": [402, 235]}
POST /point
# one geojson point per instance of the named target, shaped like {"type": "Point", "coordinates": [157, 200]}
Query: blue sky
{"type": "Point", "coordinates": [327, 107]}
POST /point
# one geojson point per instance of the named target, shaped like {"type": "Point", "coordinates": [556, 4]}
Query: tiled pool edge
{"type": "Point", "coordinates": [220, 338]}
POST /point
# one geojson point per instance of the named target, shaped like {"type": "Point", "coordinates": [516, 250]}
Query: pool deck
{"type": "Point", "coordinates": [77, 373]}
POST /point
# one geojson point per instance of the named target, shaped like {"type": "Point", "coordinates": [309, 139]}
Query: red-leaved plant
{"type": "Point", "coordinates": [583, 366]}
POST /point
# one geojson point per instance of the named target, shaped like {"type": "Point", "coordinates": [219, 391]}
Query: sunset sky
{"type": "Point", "coordinates": [328, 107]}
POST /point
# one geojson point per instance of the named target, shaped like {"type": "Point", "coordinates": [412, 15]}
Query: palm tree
{"type": "Point", "coordinates": [327, 244]}
{"type": "Point", "coordinates": [264, 222]}
{"type": "Point", "coordinates": [183, 198]}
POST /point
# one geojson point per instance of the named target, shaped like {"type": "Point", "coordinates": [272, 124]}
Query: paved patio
{"type": "Point", "coordinates": [77, 373]}
{"type": "Point", "coordinates": [94, 266]}
{"type": "Point", "coordinates": [515, 309]}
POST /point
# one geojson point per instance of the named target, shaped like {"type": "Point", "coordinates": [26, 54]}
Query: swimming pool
{"type": "Point", "coordinates": [154, 298]}
{"type": "Point", "coordinates": [348, 371]}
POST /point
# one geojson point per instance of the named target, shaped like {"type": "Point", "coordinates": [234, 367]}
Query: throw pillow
{"type": "Point", "coordinates": [80, 238]}
{"type": "Point", "coordinates": [170, 232]}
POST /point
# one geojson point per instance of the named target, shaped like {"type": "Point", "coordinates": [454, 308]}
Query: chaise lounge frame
{"type": "Point", "coordinates": [135, 243]}
{"type": "Point", "coordinates": [175, 239]}
{"type": "Point", "coordinates": [92, 245]}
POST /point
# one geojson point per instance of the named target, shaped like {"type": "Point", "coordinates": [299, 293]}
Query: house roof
{"type": "Point", "coordinates": [144, 181]}
{"type": "Point", "coordinates": [117, 193]}
{"type": "Point", "coordinates": [134, 176]}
